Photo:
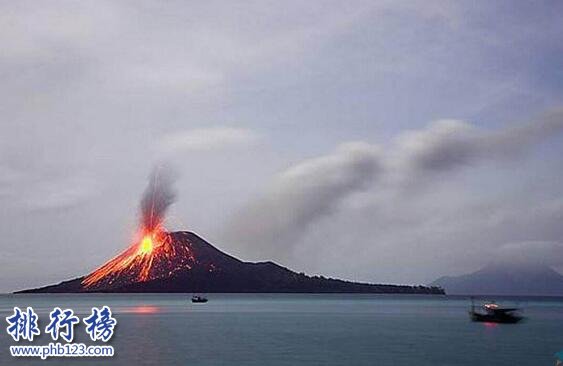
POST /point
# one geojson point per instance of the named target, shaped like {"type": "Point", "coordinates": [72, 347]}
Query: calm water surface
{"type": "Point", "coordinates": [281, 329]}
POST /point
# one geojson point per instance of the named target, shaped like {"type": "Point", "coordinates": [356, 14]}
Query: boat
{"type": "Point", "coordinates": [198, 299]}
{"type": "Point", "coordinates": [559, 356]}
{"type": "Point", "coordinates": [492, 313]}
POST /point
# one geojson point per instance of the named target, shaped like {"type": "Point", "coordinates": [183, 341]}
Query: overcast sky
{"type": "Point", "coordinates": [375, 141]}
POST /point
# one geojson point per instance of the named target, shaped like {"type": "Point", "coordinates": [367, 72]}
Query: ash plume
{"type": "Point", "coordinates": [301, 196]}
{"type": "Point", "coordinates": [158, 196]}
{"type": "Point", "coordinates": [304, 194]}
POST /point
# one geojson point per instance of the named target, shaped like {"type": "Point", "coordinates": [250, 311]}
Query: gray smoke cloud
{"type": "Point", "coordinates": [451, 144]}
{"type": "Point", "coordinates": [274, 222]}
{"type": "Point", "coordinates": [157, 197]}
{"type": "Point", "coordinates": [303, 194]}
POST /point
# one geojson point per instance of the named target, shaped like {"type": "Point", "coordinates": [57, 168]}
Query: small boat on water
{"type": "Point", "coordinates": [492, 313]}
{"type": "Point", "coordinates": [198, 299]}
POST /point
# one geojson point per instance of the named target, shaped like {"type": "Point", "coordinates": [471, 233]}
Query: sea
{"type": "Point", "coordinates": [298, 329]}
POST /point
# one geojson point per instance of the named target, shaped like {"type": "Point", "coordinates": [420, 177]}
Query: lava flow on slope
{"type": "Point", "coordinates": [153, 255]}
{"type": "Point", "coordinates": [179, 262]}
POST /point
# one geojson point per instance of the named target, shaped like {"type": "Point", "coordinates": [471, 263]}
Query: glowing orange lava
{"type": "Point", "coordinates": [146, 245]}
{"type": "Point", "coordinates": [136, 262]}
{"type": "Point", "coordinates": [144, 309]}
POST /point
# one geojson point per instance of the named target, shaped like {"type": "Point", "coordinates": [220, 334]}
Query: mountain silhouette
{"type": "Point", "coordinates": [190, 264]}
{"type": "Point", "coordinates": [506, 279]}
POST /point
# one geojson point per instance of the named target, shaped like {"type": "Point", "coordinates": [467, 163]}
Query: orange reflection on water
{"type": "Point", "coordinates": [144, 309]}
{"type": "Point", "coordinates": [491, 325]}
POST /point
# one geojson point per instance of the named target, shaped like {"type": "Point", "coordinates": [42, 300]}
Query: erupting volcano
{"type": "Point", "coordinates": [152, 255]}
{"type": "Point", "coordinates": [162, 261]}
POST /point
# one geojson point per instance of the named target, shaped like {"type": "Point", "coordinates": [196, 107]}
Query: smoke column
{"type": "Point", "coordinates": [158, 196]}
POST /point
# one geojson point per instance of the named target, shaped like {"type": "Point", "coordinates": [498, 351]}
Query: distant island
{"type": "Point", "coordinates": [186, 263]}
{"type": "Point", "coordinates": [523, 279]}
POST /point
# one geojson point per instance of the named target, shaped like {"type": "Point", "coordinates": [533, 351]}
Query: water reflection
{"type": "Point", "coordinates": [143, 309]}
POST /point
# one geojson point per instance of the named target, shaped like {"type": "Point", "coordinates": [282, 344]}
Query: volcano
{"type": "Point", "coordinates": [517, 279]}
{"type": "Point", "coordinates": [183, 262]}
